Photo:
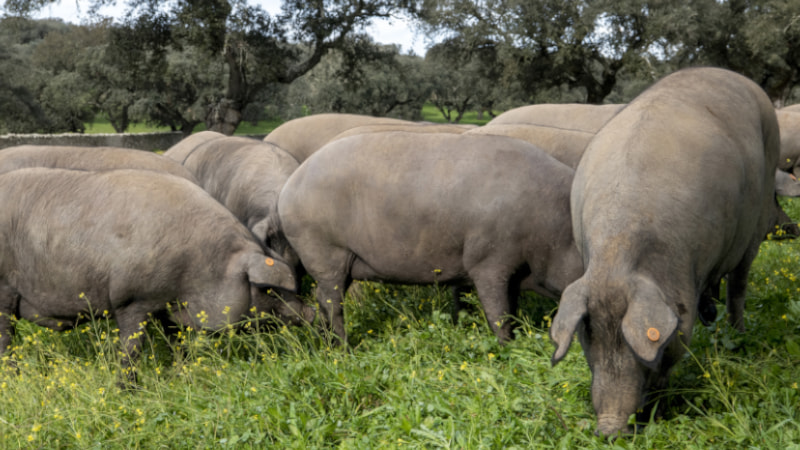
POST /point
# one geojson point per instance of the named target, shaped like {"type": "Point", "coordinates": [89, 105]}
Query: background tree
{"type": "Point", "coordinates": [547, 44]}
{"type": "Point", "coordinates": [364, 78]}
{"type": "Point", "coordinates": [465, 76]}
{"type": "Point", "coordinates": [19, 108]}
{"type": "Point", "coordinates": [256, 50]}
{"type": "Point", "coordinates": [757, 38]}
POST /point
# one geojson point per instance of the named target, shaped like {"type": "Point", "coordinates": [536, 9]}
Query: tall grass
{"type": "Point", "coordinates": [411, 378]}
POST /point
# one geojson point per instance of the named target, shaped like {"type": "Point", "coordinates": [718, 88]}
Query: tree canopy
{"type": "Point", "coordinates": [179, 63]}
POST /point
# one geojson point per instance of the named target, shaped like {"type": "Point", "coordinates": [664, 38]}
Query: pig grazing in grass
{"type": "Point", "coordinates": [243, 174]}
{"type": "Point", "coordinates": [675, 192]}
{"type": "Point", "coordinates": [131, 243]}
{"type": "Point", "coordinates": [424, 208]}
{"type": "Point", "coordinates": [87, 158]}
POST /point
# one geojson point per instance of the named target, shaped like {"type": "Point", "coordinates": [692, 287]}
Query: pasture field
{"type": "Point", "coordinates": [410, 379]}
{"type": "Point", "coordinates": [429, 113]}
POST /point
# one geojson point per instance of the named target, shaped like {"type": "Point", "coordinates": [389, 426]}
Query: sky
{"type": "Point", "coordinates": [394, 31]}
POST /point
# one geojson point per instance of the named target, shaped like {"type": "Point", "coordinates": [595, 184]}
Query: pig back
{"type": "Point", "coordinates": [116, 234]}
{"type": "Point", "coordinates": [87, 158]}
{"type": "Point", "coordinates": [403, 201]}
{"type": "Point", "coordinates": [689, 164]}
{"type": "Point", "coordinates": [303, 136]}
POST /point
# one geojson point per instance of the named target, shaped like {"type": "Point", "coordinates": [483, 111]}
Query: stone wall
{"type": "Point", "coordinates": [141, 141]}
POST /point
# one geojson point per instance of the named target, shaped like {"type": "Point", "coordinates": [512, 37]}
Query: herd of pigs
{"type": "Point", "coordinates": [631, 215]}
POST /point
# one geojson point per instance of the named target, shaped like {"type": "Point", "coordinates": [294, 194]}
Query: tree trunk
{"type": "Point", "coordinates": [120, 122]}
{"type": "Point", "coordinates": [224, 117]}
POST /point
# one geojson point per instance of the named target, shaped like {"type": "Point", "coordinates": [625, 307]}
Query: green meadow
{"type": "Point", "coordinates": [410, 378]}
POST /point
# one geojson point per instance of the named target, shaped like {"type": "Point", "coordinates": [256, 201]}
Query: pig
{"type": "Point", "coordinates": [411, 128]}
{"type": "Point", "coordinates": [568, 147]}
{"type": "Point", "coordinates": [789, 122]}
{"type": "Point", "coordinates": [791, 108]}
{"type": "Point", "coordinates": [402, 207]}
{"type": "Point", "coordinates": [570, 116]}
{"type": "Point", "coordinates": [673, 193]}
{"type": "Point", "coordinates": [87, 158]}
{"type": "Point", "coordinates": [303, 136]}
{"type": "Point", "coordinates": [563, 144]}
{"type": "Point", "coordinates": [243, 174]}
{"type": "Point", "coordinates": [129, 243]}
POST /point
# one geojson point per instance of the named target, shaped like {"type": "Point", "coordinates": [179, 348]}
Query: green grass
{"type": "Point", "coordinates": [431, 114]}
{"type": "Point", "coordinates": [101, 124]}
{"type": "Point", "coordinates": [410, 379]}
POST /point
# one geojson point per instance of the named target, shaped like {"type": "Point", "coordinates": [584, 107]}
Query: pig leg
{"type": "Point", "coordinates": [330, 296]}
{"type": "Point", "coordinates": [737, 285]}
{"type": "Point", "coordinates": [130, 321]}
{"type": "Point", "coordinates": [9, 301]}
{"type": "Point", "coordinates": [458, 291]}
{"type": "Point", "coordinates": [493, 291]}
{"type": "Point", "coordinates": [706, 307]}
{"type": "Point", "coordinates": [330, 267]}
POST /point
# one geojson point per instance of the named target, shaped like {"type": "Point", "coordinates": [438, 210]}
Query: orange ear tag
{"type": "Point", "coordinates": [653, 334]}
{"type": "Point", "coordinates": [270, 261]}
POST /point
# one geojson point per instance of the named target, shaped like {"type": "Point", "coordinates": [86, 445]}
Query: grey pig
{"type": "Point", "coordinates": [674, 192]}
{"type": "Point", "coordinates": [422, 208]}
{"type": "Point", "coordinates": [129, 243]}
{"type": "Point", "coordinates": [87, 158]}
{"type": "Point", "coordinates": [243, 174]}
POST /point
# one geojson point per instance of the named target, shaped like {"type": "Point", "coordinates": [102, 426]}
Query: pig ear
{"type": "Point", "coordinates": [571, 310]}
{"type": "Point", "coordinates": [649, 324]}
{"type": "Point", "coordinates": [266, 271]}
{"type": "Point", "coordinates": [260, 230]}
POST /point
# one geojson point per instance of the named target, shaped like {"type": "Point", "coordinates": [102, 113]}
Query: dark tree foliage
{"type": "Point", "coordinates": [255, 49]}
{"type": "Point", "coordinates": [758, 38]}
{"type": "Point", "coordinates": [363, 78]}
{"type": "Point", "coordinates": [464, 76]}
{"type": "Point", "coordinates": [20, 110]}
{"type": "Point", "coordinates": [542, 44]}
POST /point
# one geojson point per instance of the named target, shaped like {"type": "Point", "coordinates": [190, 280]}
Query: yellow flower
{"type": "Point", "coordinates": [491, 356]}
{"type": "Point", "coordinates": [36, 427]}
{"type": "Point", "coordinates": [463, 365]}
